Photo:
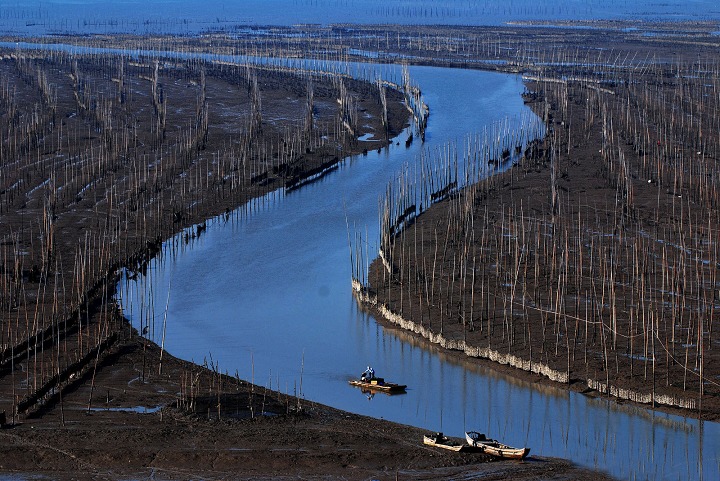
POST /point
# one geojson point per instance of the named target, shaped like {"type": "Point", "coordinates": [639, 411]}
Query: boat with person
{"type": "Point", "coordinates": [494, 447]}
{"type": "Point", "coordinates": [369, 382]}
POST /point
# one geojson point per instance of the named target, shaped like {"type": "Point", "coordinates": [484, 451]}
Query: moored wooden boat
{"type": "Point", "coordinates": [378, 384]}
{"type": "Point", "coordinates": [493, 447]}
{"type": "Point", "coordinates": [439, 440]}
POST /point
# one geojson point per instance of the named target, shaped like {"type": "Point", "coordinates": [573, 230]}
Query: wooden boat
{"type": "Point", "coordinates": [495, 448]}
{"type": "Point", "coordinates": [439, 440]}
{"type": "Point", "coordinates": [378, 384]}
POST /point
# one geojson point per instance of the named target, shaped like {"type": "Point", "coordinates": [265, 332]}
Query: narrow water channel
{"type": "Point", "coordinates": [267, 294]}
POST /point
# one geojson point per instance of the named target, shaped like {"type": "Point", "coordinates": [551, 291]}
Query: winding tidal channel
{"type": "Point", "coordinates": [266, 294]}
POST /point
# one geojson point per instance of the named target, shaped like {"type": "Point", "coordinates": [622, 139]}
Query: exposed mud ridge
{"type": "Point", "coordinates": [371, 302]}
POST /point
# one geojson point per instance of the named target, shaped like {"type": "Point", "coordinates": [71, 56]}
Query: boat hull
{"type": "Point", "coordinates": [444, 442]}
{"type": "Point", "coordinates": [382, 386]}
{"type": "Point", "coordinates": [495, 448]}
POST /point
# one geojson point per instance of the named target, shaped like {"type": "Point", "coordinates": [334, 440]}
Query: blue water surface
{"type": "Point", "coordinates": [41, 17]}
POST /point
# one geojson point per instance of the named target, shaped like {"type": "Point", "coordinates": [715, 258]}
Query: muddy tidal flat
{"type": "Point", "coordinates": [594, 255]}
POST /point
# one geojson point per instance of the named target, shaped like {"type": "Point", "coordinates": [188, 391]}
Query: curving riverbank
{"type": "Point", "coordinates": [165, 386]}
